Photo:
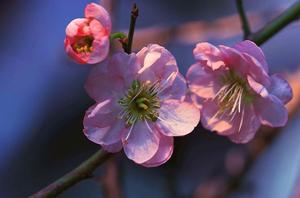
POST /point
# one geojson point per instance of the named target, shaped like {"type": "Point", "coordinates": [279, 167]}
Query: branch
{"type": "Point", "coordinates": [291, 14]}
{"type": "Point", "coordinates": [83, 171]}
{"type": "Point", "coordinates": [134, 15]}
{"type": "Point", "coordinates": [243, 17]}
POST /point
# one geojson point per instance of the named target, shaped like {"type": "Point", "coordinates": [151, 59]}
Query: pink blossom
{"type": "Point", "coordinates": [140, 105]}
{"type": "Point", "coordinates": [235, 92]}
{"type": "Point", "coordinates": [87, 39]}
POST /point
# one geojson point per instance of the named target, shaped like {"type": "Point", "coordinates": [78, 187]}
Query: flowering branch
{"type": "Point", "coordinates": [291, 14]}
{"type": "Point", "coordinates": [83, 171]}
{"type": "Point", "coordinates": [243, 17]}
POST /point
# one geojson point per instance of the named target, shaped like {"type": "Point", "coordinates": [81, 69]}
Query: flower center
{"type": "Point", "coordinates": [140, 102]}
{"type": "Point", "coordinates": [233, 96]}
{"type": "Point", "coordinates": [83, 44]}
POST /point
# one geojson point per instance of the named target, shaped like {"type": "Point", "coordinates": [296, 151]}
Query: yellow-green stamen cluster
{"type": "Point", "coordinates": [83, 44]}
{"type": "Point", "coordinates": [140, 102]}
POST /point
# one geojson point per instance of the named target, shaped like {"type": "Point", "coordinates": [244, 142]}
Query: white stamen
{"type": "Point", "coordinates": [148, 126]}
{"type": "Point", "coordinates": [220, 91]}
{"type": "Point", "coordinates": [227, 92]}
{"type": "Point", "coordinates": [164, 84]}
{"type": "Point", "coordinates": [122, 113]}
{"type": "Point", "coordinates": [242, 119]}
{"type": "Point", "coordinates": [237, 99]}
{"type": "Point", "coordinates": [129, 132]}
{"type": "Point", "coordinates": [240, 100]}
{"type": "Point", "coordinates": [233, 116]}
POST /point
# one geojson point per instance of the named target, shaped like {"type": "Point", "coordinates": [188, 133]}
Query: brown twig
{"type": "Point", "coordinates": [83, 171]}
{"type": "Point", "coordinates": [133, 17]}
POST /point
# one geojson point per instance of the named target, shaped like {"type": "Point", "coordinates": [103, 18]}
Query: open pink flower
{"type": "Point", "coordinates": [87, 39]}
{"type": "Point", "coordinates": [140, 105]}
{"type": "Point", "coordinates": [235, 92]}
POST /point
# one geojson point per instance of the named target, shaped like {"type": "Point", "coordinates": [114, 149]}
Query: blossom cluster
{"type": "Point", "coordinates": [143, 101]}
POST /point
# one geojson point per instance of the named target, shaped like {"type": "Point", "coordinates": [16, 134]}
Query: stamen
{"type": "Point", "coordinates": [136, 95]}
{"type": "Point", "coordinates": [164, 84]}
{"type": "Point", "coordinates": [226, 94]}
{"type": "Point", "coordinates": [83, 44]}
{"type": "Point", "coordinates": [143, 106]}
{"type": "Point", "coordinates": [148, 126]}
{"type": "Point", "coordinates": [140, 102]}
{"type": "Point", "coordinates": [129, 133]}
{"type": "Point", "coordinates": [238, 98]}
{"type": "Point", "coordinates": [242, 119]}
{"type": "Point", "coordinates": [220, 91]}
{"type": "Point", "coordinates": [232, 97]}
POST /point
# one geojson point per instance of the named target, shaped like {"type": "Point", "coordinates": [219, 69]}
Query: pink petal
{"type": "Point", "coordinates": [101, 114]}
{"type": "Point", "coordinates": [125, 66]}
{"type": "Point", "coordinates": [176, 91]}
{"type": "Point", "coordinates": [71, 53]}
{"type": "Point", "coordinates": [76, 27]}
{"type": "Point", "coordinates": [280, 88]}
{"type": "Point", "coordinates": [99, 52]}
{"type": "Point", "coordinates": [256, 70]}
{"type": "Point", "coordinates": [95, 134]}
{"type": "Point", "coordinates": [252, 49]}
{"type": "Point", "coordinates": [97, 29]}
{"type": "Point", "coordinates": [158, 65]}
{"type": "Point", "coordinates": [163, 153]}
{"type": "Point", "coordinates": [106, 136]}
{"type": "Point", "coordinates": [221, 123]}
{"type": "Point", "coordinates": [248, 129]}
{"type": "Point", "coordinates": [101, 124]}
{"type": "Point", "coordinates": [205, 52]}
{"type": "Point", "coordinates": [98, 88]}
{"type": "Point", "coordinates": [245, 65]}
{"type": "Point", "coordinates": [120, 70]}
{"type": "Point", "coordinates": [95, 11]}
{"type": "Point", "coordinates": [177, 118]}
{"type": "Point", "coordinates": [271, 111]}
{"type": "Point", "coordinates": [195, 99]}
{"type": "Point", "coordinates": [142, 142]}
{"type": "Point", "coordinates": [203, 83]}
{"type": "Point", "coordinates": [240, 129]}
{"type": "Point", "coordinates": [257, 87]}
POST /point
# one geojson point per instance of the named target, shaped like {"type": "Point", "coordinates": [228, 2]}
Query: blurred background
{"type": "Point", "coordinates": [42, 104]}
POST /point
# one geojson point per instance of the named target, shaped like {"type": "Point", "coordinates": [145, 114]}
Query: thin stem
{"type": "Point", "coordinates": [117, 35]}
{"type": "Point", "coordinates": [83, 171]}
{"type": "Point", "coordinates": [134, 15]}
{"type": "Point", "coordinates": [276, 25]}
{"type": "Point", "coordinates": [122, 39]}
{"type": "Point", "coordinates": [243, 17]}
